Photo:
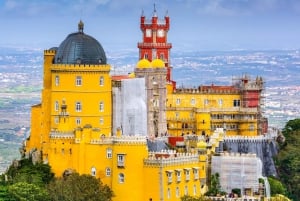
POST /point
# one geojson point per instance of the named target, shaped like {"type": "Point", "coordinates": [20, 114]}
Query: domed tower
{"type": "Point", "coordinates": [155, 44]}
{"type": "Point", "coordinates": [76, 91]}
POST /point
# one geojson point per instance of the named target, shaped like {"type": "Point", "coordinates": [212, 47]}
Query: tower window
{"type": "Point", "coordinates": [220, 102]}
{"type": "Point", "coordinates": [178, 101]}
{"type": "Point", "coordinates": [236, 103]}
{"type": "Point", "coordinates": [78, 121]}
{"type": "Point", "coordinates": [101, 121]}
{"type": "Point", "coordinates": [93, 171]}
{"type": "Point", "coordinates": [56, 120]}
{"type": "Point", "coordinates": [193, 101]}
{"type": "Point", "coordinates": [101, 81]}
{"type": "Point", "coordinates": [177, 192]}
{"type": "Point", "coordinates": [78, 80]}
{"type": "Point", "coordinates": [178, 175]}
{"type": "Point", "coordinates": [161, 56]}
{"type": "Point", "coordinates": [78, 107]}
{"type": "Point", "coordinates": [196, 173]}
{"type": "Point", "coordinates": [108, 172]}
{"type": "Point", "coordinates": [121, 160]}
{"type": "Point", "coordinates": [101, 106]}
{"type": "Point", "coordinates": [148, 32]}
{"type": "Point", "coordinates": [187, 174]}
{"type": "Point", "coordinates": [121, 178]}
{"type": "Point", "coordinates": [56, 106]}
{"type": "Point", "coordinates": [56, 80]}
{"type": "Point", "coordinates": [169, 176]}
{"type": "Point", "coordinates": [186, 191]}
{"type": "Point", "coordinates": [109, 153]}
{"type": "Point", "coordinates": [146, 56]}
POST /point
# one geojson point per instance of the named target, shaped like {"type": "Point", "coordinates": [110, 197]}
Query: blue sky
{"type": "Point", "coordinates": [195, 24]}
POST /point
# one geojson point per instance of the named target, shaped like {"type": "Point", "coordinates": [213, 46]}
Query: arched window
{"type": "Point", "coordinates": [169, 193]}
{"type": "Point", "coordinates": [108, 172]}
{"type": "Point", "coordinates": [101, 81]}
{"type": "Point", "coordinates": [121, 178]}
{"type": "Point", "coordinates": [93, 171]}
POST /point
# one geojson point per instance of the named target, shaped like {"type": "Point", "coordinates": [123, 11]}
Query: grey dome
{"type": "Point", "coordinates": [80, 48]}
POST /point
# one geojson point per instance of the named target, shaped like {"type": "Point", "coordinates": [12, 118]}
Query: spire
{"type": "Point", "coordinates": [80, 26]}
{"type": "Point", "coordinates": [167, 13]}
{"type": "Point", "coordinates": [154, 11]}
{"type": "Point", "coordinates": [142, 12]}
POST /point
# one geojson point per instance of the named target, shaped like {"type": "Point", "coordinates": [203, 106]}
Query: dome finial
{"type": "Point", "coordinates": [80, 26]}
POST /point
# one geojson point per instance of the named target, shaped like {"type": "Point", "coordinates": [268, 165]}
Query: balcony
{"type": "Point", "coordinates": [154, 45]}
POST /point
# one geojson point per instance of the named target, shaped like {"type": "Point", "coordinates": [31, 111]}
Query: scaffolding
{"type": "Point", "coordinates": [238, 171]}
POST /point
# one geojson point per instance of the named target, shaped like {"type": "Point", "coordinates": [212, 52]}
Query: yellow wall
{"type": "Point", "coordinates": [192, 112]}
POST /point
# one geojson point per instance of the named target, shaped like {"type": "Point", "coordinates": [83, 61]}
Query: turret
{"type": "Point", "coordinates": [155, 44]}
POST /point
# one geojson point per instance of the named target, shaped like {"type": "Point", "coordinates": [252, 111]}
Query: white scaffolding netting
{"type": "Point", "coordinates": [130, 111]}
{"type": "Point", "coordinates": [238, 171]}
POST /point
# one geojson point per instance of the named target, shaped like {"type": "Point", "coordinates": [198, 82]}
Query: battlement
{"type": "Point", "coordinates": [260, 138]}
{"type": "Point", "coordinates": [170, 157]}
{"type": "Point", "coordinates": [208, 90]}
{"type": "Point", "coordinates": [80, 67]}
{"type": "Point", "coordinates": [49, 52]}
{"type": "Point", "coordinates": [129, 140]}
{"type": "Point", "coordinates": [62, 135]}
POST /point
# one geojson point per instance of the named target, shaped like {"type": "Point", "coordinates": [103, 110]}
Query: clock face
{"type": "Point", "coordinates": [148, 32]}
{"type": "Point", "coordinates": [160, 33]}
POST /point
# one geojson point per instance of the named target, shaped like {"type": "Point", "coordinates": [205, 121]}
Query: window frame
{"type": "Point", "coordinates": [101, 81]}
{"type": "Point", "coordinates": [93, 171]}
{"type": "Point", "coordinates": [78, 80]}
{"type": "Point", "coordinates": [101, 106]}
{"type": "Point", "coordinates": [109, 153]}
{"type": "Point", "coordinates": [56, 106]}
{"type": "Point", "coordinates": [107, 172]}
{"type": "Point", "coordinates": [121, 178]}
{"type": "Point", "coordinates": [78, 106]}
{"type": "Point", "coordinates": [57, 80]}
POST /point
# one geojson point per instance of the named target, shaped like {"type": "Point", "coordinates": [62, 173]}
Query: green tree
{"type": "Point", "coordinates": [25, 171]}
{"type": "Point", "coordinates": [215, 186]}
{"type": "Point", "coordinates": [22, 191]}
{"type": "Point", "coordinates": [276, 186]}
{"type": "Point", "coordinates": [4, 194]}
{"type": "Point", "coordinates": [77, 187]}
{"type": "Point", "coordinates": [288, 159]}
{"type": "Point", "coordinates": [279, 198]}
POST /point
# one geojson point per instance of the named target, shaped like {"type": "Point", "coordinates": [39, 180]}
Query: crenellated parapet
{"type": "Point", "coordinates": [49, 52]}
{"type": "Point", "coordinates": [259, 138]}
{"type": "Point", "coordinates": [170, 158]}
{"type": "Point", "coordinates": [80, 67]}
{"type": "Point", "coordinates": [208, 90]}
{"type": "Point", "coordinates": [123, 140]}
{"type": "Point", "coordinates": [62, 135]}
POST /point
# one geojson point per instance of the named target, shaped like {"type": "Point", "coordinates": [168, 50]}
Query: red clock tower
{"type": "Point", "coordinates": [155, 45]}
